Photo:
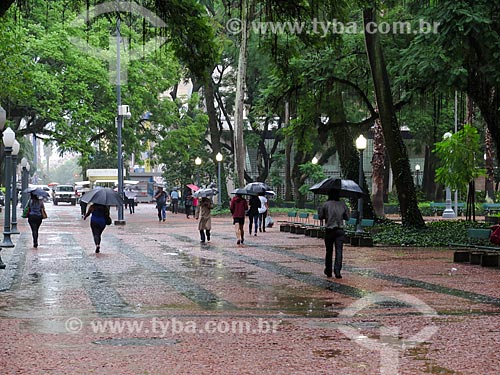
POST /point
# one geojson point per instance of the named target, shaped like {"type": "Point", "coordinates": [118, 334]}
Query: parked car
{"type": "Point", "coordinates": [64, 193]}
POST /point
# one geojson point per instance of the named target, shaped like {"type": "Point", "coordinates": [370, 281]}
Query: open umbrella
{"type": "Point", "coordinates": [39, 192]}
{"type": "Point", "coordinates": [104, 196]}
{"type": "Point", "coordinates": [257, 187]}
{"type": "Point", "coordinates": [130, 194]}
{"type": "Point", "coordinates": [270, 193]}
{"type": "Point", "coordinates": [241, 191]}
{"type": "Point", "coordinates": [208, 192]}
{"type": "Point", "coordinates": [346, 188]}
{"type": "Point", "coordinates": [193, 187]}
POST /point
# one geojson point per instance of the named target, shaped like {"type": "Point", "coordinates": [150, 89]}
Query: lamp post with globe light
{"type": "Point", "coordinates": [15, 151]}
{"type": "Point", "coordinates": [360, 146]}
{"type": "Point", "coordinates": [8, 138]}
{"type": "Point", "coordinates": [417, 174]}
{"type": "Point", "coordinates": [314, 161]}
{"type": "Point", "coordinates": [197, 161]}
{"type": "Point", "coordinates": [448, 212]}
{"type": "Point", "coordinates": [218, 157]}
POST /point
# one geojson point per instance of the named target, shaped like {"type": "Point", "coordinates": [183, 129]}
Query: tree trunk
{"type": "Point", "coordinates": [239, 145]}
{"type": "Point", "coordinates": [215, 136]}
{"type": "Point", "coordinates": [288, 157]}
{"type": "Point", "coordinates": [490, 166]}
{"type": "Point", "coordinates": [378, 166]}
{"type": "Point", "coordinates": [4, 6]}
{"type": "Point", "coordinates": [410, 214]}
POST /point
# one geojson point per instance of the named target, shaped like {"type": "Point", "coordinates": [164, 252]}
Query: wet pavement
{"type": "Point", "coordinates": [155, 301]}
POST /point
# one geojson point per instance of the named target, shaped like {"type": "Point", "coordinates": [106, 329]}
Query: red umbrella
{"type": "Point", "coordinates": [193, 187]}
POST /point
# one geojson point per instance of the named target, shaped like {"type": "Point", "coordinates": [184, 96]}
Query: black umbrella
{"type": "Point", "coordinates": [257, 187]}
{"type": "Point", "coordinates": [346, 188]}
{"type": "Point", "coordinates": [39, 192]}
{"type": "Point", "coordinates": [241, 191]}
{"type": "Point", "coordinates": [104, 196]}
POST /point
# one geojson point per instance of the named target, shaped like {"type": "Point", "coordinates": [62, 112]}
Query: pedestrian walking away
{"type": "Point", "coordinates": [161, 203]}
{"type": "Point", "coordinates": [264, 205]}
{"type": "Point", "coordinates": [188, 203]}
{"type": "Point", "coordinates": [98, 221]}
{"type": "Point", "coordinates": [174, 195]}
{"type": "Point", "coordinates": [253, 214]}
{"type": "Point", "coordinates": [36, 213]}
{"type": "Point", "coordinates": [334, 212]}
{"type": "Point", "coordinates": [205, 217]}
{"type": "Point", "coordinates": [238, 208]}
{"type": "Point", "coordinates": [83, 207]}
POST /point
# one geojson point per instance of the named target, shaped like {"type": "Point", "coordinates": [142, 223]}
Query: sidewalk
{"type": "Point", "coordinates": [155, 301]}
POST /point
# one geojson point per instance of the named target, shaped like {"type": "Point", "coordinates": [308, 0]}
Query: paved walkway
{"type": "Point", "coordinates": [155, 301]}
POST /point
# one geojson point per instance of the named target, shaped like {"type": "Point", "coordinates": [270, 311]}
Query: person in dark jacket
{"type": "Point", "coordinates": [238, 208]}
{"type": "Point", "coordinates": [253, 214]}
{"type": "Point", "coordinates": [334, 212]}
{"type": "Point", "coordinates": [35, 217]}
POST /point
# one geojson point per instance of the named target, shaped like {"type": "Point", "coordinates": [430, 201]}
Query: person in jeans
{"type": "Point", "coordinates": [238, 208]}
{"type": "Point", "coordinates": [253, 214]}
{"type": "Point", "coordinates": [334, 212]}
{"type": "Point", "coordinates": [263, 212]}
{"type": "Point", "coordinates": [161, 203]}
{"type": "Point", "coordinates": [188, 203]}
{"type": "Point", "coordinates": [35, 217]}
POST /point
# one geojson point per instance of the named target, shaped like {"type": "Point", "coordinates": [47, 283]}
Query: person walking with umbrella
{"type": "Point", "coordinates": [98, 201]}
{"type": "Point", "coordinates": [238, 208]}
{"type": "Point", "coordinates": [36, 214]}
{"type": "Point", "coordinates": [205, 217]}
{"type": "Point", "coordinates": [253, 214]}
{"type": "Point", "coordinates": [334, 212]}
{"type": "Point", "coordinates": [98, 221]}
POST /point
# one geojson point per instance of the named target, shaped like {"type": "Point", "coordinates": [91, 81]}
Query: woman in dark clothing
{"type": "Point", "coordinates": [35, 217]}
{"type": "Point", "coordinates": [97, 222]}
{"type": "Point", "coordinates": [253, 214]}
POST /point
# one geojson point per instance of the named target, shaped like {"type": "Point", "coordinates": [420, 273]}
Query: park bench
{"type": "Point", "coordinates": [285, 224]}
{"type": "Point", "coordinates": [359, 238]}
{"type": "Point", "coordinates": [439, 207]}
{"type": "Point", "coordinates": [474, 251]}
{"type": "Point", "coordinates": [490, 208]}
{"type": "Point", "coordinates": [299, 226]}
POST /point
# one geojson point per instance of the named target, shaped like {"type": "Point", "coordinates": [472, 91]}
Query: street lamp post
{"type": "Point", "coordinates": [314, 161]}
{"type": "Point", "coordinates": [24, 180]}
{"type": "Point", "coordinates": [417, 174]}
{"type": "Point", "coordinates": [8, 141]}
{"type": "Point", "coordinates": [361, 146]}
{"type": "Point", "coordinates": [15, 151]}
{"type": "Point", "coordinates": [218, 157]}
{"type": "Point", "coordinates": [197, 161]}
{"type": "Point", "coordinates": [448, 212]}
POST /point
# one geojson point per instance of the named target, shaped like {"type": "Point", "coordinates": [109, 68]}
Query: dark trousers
{"type": "Point", "coordinates": [175, 206]}
{"type": "Point", "coordinates": [262, 221]}
{"type": "Point", "coordinates": [188, 211]}
{"type": "Point", "coordinates": [253, 219]}
{"type": "Point", "coordinates": [97, 232]}
{"type": "Point", "coordinates": [334, 237]}
{"type": "Point", "coordinates": [34, 221]}
{"type": "Point", "coordinates": [131, 205]}
{"type": "Point", "coordinates": [202, 235]}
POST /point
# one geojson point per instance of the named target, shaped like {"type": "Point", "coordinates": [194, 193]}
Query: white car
{"type": "Point", "coordinates": [64, 193]}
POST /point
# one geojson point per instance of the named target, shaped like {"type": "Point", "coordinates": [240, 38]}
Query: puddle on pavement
{"type": "Point", "coordinates": [327, 353]}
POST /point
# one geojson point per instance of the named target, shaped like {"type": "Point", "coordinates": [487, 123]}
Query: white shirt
{"type": "Point", "coordinates": [263, 204]}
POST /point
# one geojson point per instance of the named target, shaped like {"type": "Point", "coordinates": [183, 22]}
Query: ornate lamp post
{"type": "Point", "coordinates": [417, 174]}
{"type": "Point", "coordinates": [218, 157]}
{"type": "Point", "coordinates": [24, 180]}
{"type": "Point", "coordinates": [8, 141]}
{"type": "Point", "coordinates": [360, 146]}
{"type": "Point", "coordinates": [314, 161]}
{"type": "Point", "coordinates": [197, 161]}
{"type": "Point", "coordinates": [448, 212]}
{"type": "Point", "coordinates": [15, 151]}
